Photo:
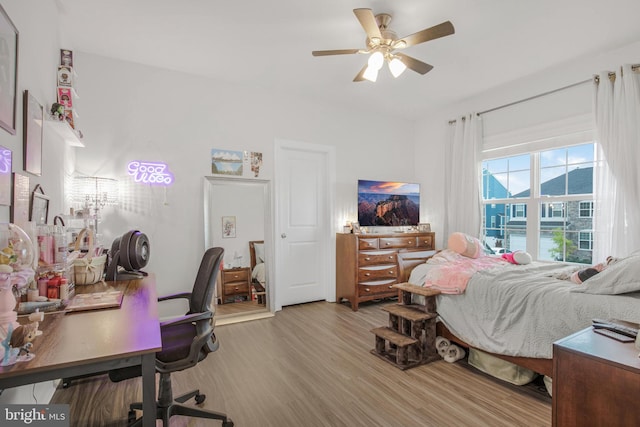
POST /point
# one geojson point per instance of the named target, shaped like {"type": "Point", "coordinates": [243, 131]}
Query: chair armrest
{"type": "Point", "coordinates": [187, 318]}
{"type": "Point", "coordinates": [175, 296]}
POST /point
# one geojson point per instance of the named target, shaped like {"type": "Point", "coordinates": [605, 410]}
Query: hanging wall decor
{"type": "Point", "coordinates": [33, 130]}
{"type": "Point", "coordinates": [9, 67]}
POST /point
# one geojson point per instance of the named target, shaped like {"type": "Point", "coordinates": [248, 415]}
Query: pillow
{"type": "Point", "coordinates": [465, 245]}
{"type": "Point", "coordinates": [619, 278]}
{"type": "Point", "coordinates": [259, 251]}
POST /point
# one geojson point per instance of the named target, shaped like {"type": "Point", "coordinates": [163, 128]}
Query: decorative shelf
{"type": "Point", "coordinates": [65, 131]}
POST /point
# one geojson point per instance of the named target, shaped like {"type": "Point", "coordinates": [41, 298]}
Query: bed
{"type": "Point", "coordinates": [258, 273]}
{"type": "Point", "coordinates": [516, 312]}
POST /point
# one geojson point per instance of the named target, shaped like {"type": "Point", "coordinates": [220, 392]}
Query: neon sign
{"type": "Point", "coordinates": [150, 172]}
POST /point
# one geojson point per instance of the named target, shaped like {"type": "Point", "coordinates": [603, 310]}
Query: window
{"type": "Point", "coordinates": [586, 209]}
{"type": "Point", "coordinates": [586, 240]}
{"type": "Point", "coordinates": [545, 201]}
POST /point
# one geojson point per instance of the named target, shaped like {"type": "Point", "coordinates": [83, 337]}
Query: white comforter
{"type": "Point", "coordinates": [520, 310]}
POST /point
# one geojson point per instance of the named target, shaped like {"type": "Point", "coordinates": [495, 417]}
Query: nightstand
{"type": "Point", "coordinates": [596, 381]}
{"type": "Point", "coordinates": [236, 283]}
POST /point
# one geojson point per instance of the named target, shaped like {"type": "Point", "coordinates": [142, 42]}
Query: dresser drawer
{"type": "Point", "coordinates": [379, 257]}
{"type": "Point", "coordinates": [374, 273]}
{"type": "Point", "coordinates": [426, 242]}
{"type": "Point", "coordinates": [397, 242]}
{"type": "Point", "coordinates": [367, 243]}
{"type": "Point", "coordinates": [374, 288]}
{"type": "Point", "coordinates": [238, 288]}
{"type": "Point", "coordinates": [240, 275]}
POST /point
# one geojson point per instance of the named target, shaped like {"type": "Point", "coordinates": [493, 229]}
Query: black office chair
{"type": "Point", "coordinates": [185, 341]}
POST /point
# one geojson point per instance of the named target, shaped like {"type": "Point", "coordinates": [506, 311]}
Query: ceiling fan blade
{"type": "Point", "coordinates": [334, 52]}
{"type": "Point", "coordinates": [441, 30]}
{"type": "Point", "coordinates": [414, 64]}
{"type": "Point", "coordinates": [368, 22]}
{"type": "Point", "coordinates": [360, 76]}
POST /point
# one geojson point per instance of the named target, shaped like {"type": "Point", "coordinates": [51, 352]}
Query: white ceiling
{"type": "Point", "coordinates": [268, 43]}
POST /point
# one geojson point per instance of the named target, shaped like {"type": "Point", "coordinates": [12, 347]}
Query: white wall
{"type": "Point", "coordinates": [38, 57]}
{"type": "Point", "coordinates": [431, 133]}
{"type": "Point", "coordinates": [134, 112]}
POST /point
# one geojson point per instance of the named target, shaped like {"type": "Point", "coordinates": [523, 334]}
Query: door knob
{"type": "Point", "coordinates": [283, 235]}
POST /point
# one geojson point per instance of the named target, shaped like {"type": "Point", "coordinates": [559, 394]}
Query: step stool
{"type": "Point", "coordinates": [416, 323]}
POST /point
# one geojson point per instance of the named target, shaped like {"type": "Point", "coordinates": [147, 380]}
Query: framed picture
{"type": "Point", "coordinates": [9, 67]}
{"type": "Point", "coordinates": [424, 226]}
{"type": "Point", "coordinates": [39, 206]}
{"type": "Point", "coordinates": [228, 227]}
{"type": "Point", "coordinates": [20, 207]}
{"type": "Point", "coordinates": [5, 176]}
{"type": "Point", "coordinates": [355, 227]}
{"type": "Point", "coordinates": [33, 130]}
{"type": "Point", "coordinates": [226, 162]}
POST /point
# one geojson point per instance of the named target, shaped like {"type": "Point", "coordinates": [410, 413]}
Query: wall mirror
{"type": "Point", "coordinates": [248, 202]}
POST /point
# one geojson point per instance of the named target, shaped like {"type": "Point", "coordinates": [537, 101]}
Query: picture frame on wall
{"type": "Point", "coordinates": [228, 227]}
{"type": "Point", "coordinates": [8, 78]}
{"type": "Point", "coordinates": [20, 206]}
{"type": "Point", "coordinates": [5, 176]}
{"type": "Point", "coordinates": [39, 206]}
{"type": "Point", "coordinates": [33, 134]}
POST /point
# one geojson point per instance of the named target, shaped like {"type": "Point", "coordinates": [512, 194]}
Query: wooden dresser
{"type": "Point", "coordinates": [236, 282]}
{"type": "Point", "coordinates": [368, 265]}
{"type": "Point", "coordinates": [596, 381]}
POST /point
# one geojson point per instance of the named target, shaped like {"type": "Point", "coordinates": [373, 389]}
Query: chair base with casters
{"type": "Point", "coordinates": [167, 406]}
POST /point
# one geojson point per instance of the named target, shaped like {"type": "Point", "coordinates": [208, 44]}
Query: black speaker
{"type": "Point", "coordinates": [128, 255]}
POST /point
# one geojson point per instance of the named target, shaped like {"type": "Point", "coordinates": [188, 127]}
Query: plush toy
{"type": "Point", "coordinates": [57, 111]}
{"type": "Point", "coordinates": [465, 245]}
{"type": "Point", "coordinates": [518, 257]}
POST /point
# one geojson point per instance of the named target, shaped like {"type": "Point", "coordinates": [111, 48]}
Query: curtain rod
{"type": "Point", "coordinates": [635, 67]}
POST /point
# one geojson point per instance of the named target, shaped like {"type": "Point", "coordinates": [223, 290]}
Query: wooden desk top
{"type": "Point", "coordinates": [97, 336]}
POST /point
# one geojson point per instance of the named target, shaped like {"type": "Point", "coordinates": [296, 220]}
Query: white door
{"type": "Point", "coordinates": [304, 181]}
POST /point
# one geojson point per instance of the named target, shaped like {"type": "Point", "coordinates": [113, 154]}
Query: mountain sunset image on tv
{"type": "Point", "coordinates": [388, 203]}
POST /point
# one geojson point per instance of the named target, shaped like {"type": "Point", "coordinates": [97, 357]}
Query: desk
{"type": "Point", "coordinates": [87, 342]}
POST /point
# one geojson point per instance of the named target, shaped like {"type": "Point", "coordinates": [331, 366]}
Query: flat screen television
{"type": "Point", "coordinates": [388, 203]}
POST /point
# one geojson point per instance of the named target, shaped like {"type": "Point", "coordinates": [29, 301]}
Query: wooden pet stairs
{"type": "Point", "coordinates": [410, 338]}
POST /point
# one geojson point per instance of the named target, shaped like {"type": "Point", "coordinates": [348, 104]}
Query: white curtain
{"type": "Point", "coordinates": [617, 178]}
{"type": "Point", "coordinates": [463, 206]}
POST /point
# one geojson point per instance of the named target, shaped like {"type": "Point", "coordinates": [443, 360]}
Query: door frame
{"type": "Point", "coordinates": [210, 182]}
{"type": "Point", "coordinates": [328, 246]}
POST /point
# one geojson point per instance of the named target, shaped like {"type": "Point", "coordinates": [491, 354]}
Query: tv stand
{"type": "Point", "coordinates": [368, 265]}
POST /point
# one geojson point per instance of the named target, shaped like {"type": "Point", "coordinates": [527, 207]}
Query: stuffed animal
{"type": "Point", "coordinates": [465, 245]}
{"type": "Point", "coordinates": [518, 257]}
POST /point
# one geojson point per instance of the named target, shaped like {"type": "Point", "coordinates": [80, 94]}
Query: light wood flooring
{"type": "Point", "coordinates": [310, 366]}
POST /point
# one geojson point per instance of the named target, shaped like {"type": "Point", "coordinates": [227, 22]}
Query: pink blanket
{"type": "Point", "coordinates": [451, 271]}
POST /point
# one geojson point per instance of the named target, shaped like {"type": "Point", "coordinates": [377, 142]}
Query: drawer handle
{"type": "Point", "coordinates": [391, 287]}
{"type": "Point", "coordinates": [367, 290]}
{"type": "Point", "coordinates": [367, 259]}
{"type": "Point", "coordinates": [392, 272]}
{"type": "Point", "coordinates": [387, 243]}
{"type": "Point", "coordinates": [236, 288]}
{"type": "Point", "coordinates": [367, 274]}
{"type": "Point", "coordinates": [390, 257]}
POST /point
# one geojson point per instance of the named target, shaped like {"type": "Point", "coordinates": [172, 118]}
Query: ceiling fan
{"type": "Point", "coordinates": [383, 46]}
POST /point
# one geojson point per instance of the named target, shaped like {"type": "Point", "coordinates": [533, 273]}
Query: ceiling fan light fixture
{"type": "Point", "coordinates": [397, 67]}
{"type": "Point", "coordinates": [376, 61]}
{"type": "Point", "coordinates": [371, 74]}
